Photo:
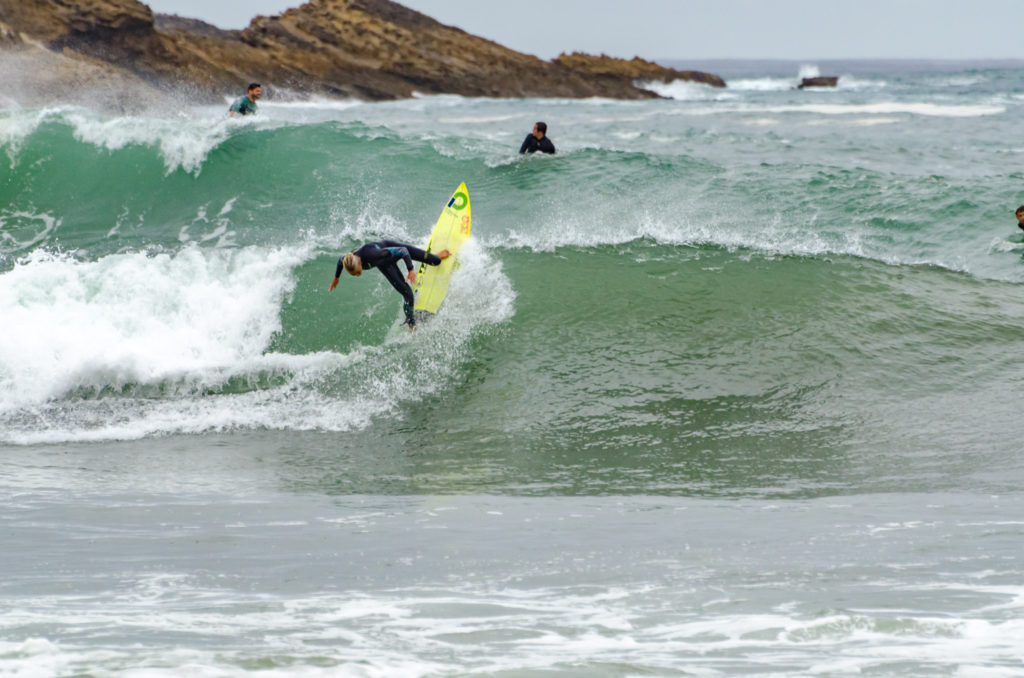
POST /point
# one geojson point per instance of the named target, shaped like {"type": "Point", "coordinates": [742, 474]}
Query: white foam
{"type": "Point", "coordinates": [808, 71]}
{"type": "Point", "coordinates": [21, 230]}
{"type": "Point", "coordinates": [311, 104]}
{"type": "Point", "coordinates": [849, 82]}
{"type": "Point", "coordinates": [761, 84]}
{"type": "Point", "coordinates": [883, 108]}
{"type": "Point", "coordinates": [18, 125]}
{"type": "Point", "coordinates": [202, 229]}
{"type": "Point", "coordinates": [772, 237]}
{"type": "Point", "coordinates": [958, 81]}
{"type": "Point", "coordinates": [135, 344]}
{"type": "Point", "coordinates": [894, 107]}
{"type": "Point", "coordinates": [684, 90]}
{"type": "Point", "coordinates": [136, 319]}
{"type": "Point", "coordinates": [492, 630]}
{"type": "Point", "coordinates": [183, 143]}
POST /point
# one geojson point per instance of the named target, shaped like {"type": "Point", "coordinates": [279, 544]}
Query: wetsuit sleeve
{"type": "Point", "coordinates": [337, 270]}
{"type": "Point", "coordinates": [528, 144]}
{"type": "Point", "coordinates": [404, 253]}
{"type": "Point", "coordinates": [546, 146]}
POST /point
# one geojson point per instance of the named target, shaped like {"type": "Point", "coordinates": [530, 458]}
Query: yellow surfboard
{"type": "Point", "coordinates": [450, 233]}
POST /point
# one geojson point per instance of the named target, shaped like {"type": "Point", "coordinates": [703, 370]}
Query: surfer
{"type": "Point", "coordinates": [1020, 217]}
{"type": "Point", "coordinates": [384, 256]}
{"type": "Point", "coordinates": [537, 140]}
{"type": "Point", "coordinates": [246, 103]}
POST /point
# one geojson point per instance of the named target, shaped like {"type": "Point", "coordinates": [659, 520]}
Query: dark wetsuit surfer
{"type": "Point", "coordinates": [384, 255]}
{"type": "Point", "coordinates": [532, 144]}
{"type": "Point", "coordinates": [537, 140]}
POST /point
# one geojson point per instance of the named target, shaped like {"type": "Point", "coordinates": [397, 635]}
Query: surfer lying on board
{"type": "Point", "coordinates": [384, 255]}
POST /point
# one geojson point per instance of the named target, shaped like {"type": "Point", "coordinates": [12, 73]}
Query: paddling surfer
{"type": "Point", "coordinates": [384, 255]}
{"type": "Point", "coordinates": [537, 140]}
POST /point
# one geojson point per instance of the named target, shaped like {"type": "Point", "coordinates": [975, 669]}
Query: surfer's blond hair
{"type": "Point", "coordinates": [350, 262]}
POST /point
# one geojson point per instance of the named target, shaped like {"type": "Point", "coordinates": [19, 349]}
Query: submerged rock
{"type": "Point", "coordinates": [819, 81]}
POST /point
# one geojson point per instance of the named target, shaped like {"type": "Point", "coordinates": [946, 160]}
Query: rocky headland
{"type": "Point", "coordinates": [114, 52]}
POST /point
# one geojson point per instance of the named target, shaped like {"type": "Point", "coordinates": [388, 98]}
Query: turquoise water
{"type": "Point", "coordinates": [728, 386]}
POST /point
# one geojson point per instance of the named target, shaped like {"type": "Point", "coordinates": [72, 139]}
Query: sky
{"type": "Point", "coordinates": [704, 29]}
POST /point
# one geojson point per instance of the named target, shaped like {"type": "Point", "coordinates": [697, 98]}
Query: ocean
{"type": "Point", "coordinates": [729, 386]}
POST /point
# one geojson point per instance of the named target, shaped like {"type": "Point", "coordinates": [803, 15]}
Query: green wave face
{"type": "Point", "coordinates": [786, 284]}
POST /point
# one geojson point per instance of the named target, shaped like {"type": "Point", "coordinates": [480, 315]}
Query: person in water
{"type": "Point", "coordinates": [384, 256]}
{"type": "Point", "coordinates": [537, 140]}
{"type": "Point", "coordinates": [1020, 217]}
{"type": "Point", "coordinates": [246, 103]}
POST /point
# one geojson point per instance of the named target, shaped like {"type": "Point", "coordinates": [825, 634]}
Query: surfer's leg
{"type": "Point", "coordinates": [394, 277]}
{"type": "Point", "coordinates": [416, 253]}
{"type": "Point", "coordinates": [419, 255]}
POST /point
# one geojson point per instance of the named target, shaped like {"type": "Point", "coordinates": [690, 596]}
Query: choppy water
{"type": "Point", "coordinates": [729, 386]}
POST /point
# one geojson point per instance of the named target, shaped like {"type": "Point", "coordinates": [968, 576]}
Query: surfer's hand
{"type": "Point", "coordinates": [334, 283]}
{"type": "Point", "coordinates": [411, 277]}
{"type": "Point", "coordinates": [444, 254]}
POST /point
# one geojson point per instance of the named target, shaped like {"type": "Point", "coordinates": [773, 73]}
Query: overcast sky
{"type": "Point", "coordinates": [704, 29]}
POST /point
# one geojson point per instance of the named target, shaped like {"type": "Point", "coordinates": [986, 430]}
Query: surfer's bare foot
{"type": "Point", "coordinates": [444, 254]}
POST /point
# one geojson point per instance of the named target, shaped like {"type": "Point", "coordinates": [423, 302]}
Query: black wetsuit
{"type": "Point", "coordinates": [384, 256]}
{"type": "Point", "coordinates": [532, 144]}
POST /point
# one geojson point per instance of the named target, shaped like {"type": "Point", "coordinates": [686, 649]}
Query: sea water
{"type": "Point", "coordinates": [729, 386]}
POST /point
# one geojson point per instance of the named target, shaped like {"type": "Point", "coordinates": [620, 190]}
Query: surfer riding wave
{"type": "Point", "coordinates": [384, 256]}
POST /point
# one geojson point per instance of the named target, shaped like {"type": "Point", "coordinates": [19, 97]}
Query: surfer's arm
{"type": "Point", "coordinates": [337, 273]}
{"type": "Point", "coordinates": [404, 253]}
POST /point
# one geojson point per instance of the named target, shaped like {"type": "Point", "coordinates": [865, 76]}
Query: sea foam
{"type": "Point", "coordinates": [135, 319]}
{"type": "Point", "coordinates": [138, 344]}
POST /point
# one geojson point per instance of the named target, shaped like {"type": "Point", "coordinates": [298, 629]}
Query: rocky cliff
{"type": "Point", "coordinates": [367, 49]}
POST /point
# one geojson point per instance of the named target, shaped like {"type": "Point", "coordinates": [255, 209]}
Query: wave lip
{"type": "Point", "coordinates": [135, 319]}
{"type": "Point", "coordinates": [183, 142]}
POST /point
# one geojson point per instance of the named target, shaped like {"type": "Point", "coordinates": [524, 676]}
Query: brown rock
{"type": "Point", "coordinates": [65, 23]}
{"type": "Point", "coordinates": [8, 36]}
{"type": "Point", "coordinates": [819, 81]}
{"type": "Point", "coordinates": [635, 69]}
{"type": "Point", "coordinates": [367, 49]}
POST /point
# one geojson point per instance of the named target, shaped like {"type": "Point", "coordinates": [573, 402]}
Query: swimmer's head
{"type": "Point", "coordinates": [352, 264]}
